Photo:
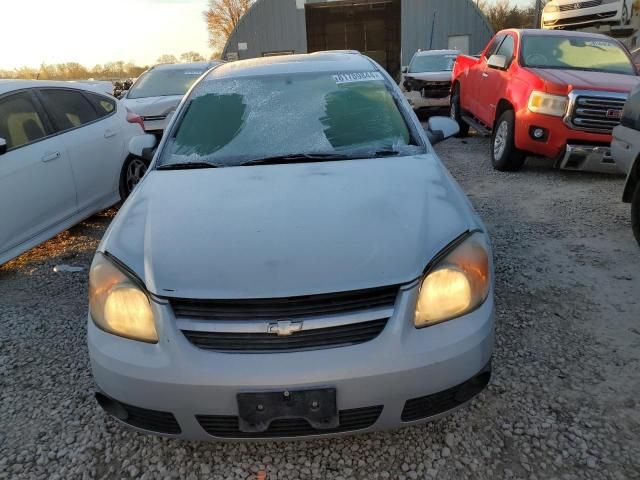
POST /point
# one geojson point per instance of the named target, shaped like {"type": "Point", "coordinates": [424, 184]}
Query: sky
{"type": "Point", "coordinates": [98, 31]}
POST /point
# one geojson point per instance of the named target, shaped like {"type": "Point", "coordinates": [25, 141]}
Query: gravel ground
{"type": "Point", "coordinates": [563, 402]}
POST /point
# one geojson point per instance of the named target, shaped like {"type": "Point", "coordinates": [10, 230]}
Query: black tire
{"type": "Point", "coordinates": [626, 17]}
{"type": "Point", "coordinates": [132, 172]}
{"type": "Point", "coordinates": [504, 154]}
{"type": "Point", "coordinates": [635, 213]}
{"type": "Point", "coordinates": [456, 114]}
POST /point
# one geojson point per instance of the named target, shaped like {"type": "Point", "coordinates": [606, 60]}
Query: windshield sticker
{"type": "Point", "coordinates": [595, 43]}
{"type": "Point", "coordinates": [358, 77]}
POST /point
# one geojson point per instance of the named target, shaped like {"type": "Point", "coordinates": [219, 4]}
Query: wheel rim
{"type": "Point", "coordinates": [500, 140]}
{"type": "Point", "coordinates": [625, 15]}
{"type": "Point", "coordinates": [135, 172]}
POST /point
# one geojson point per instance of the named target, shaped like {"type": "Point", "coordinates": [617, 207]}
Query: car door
{"type": "Point", "coordinates": [493, 81]}
{"type": "Point", "coordinates": [471, 92]}
{"type": "Point", "coordinates": [93, 139]}
{"type": "Point", "coordinates": [37, 190]}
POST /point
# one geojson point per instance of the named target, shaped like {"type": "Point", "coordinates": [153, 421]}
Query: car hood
{"type": "Point", "coordinates": [152, 106]}
{"type": "Point", "coordinates": [564, 81]}
{"type": "Point", "coordinates": [430, 76]}
{"type": "Point", "coordinates": [288, 230]}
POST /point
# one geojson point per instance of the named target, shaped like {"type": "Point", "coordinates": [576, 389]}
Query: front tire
{"type": "Point", "coordinates": [504, 154]}
{"type": "Point", "coordinates": [456, 115]}
{"type": "Point", "coordinates": [132, 172]}
{"type": "Point", "coordinates": [635, 213]}
{"type": "Point", "coordinates": [626, 17]}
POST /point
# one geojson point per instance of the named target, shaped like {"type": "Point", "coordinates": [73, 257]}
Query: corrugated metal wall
{"type": "Point", "coordinates": [279, 26]}
{"type": "Point", "coordinates": [270, 26]}
{"type": "Point", "coordinates": [453, 17]}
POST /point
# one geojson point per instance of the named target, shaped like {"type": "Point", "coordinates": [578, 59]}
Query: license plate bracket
{"type": "Point", "coordinates": [258, 409]}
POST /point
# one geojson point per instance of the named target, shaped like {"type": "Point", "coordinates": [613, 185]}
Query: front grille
{"type": "Point", "coordinates": [350, 420]}
{"type": "Point", "coordinates": [441, 402]}
{"type": "Point", "coordinates": [162, 422]}
{"type": "Point", "coordinates": [332, 337]}
{"type": "Point", "coordinates": [428, 89]}
{"type": "Point", "coordinates": [580, 5]}
{"type": "Point", "coordinates": [286, 308]}
{"type": "Point", "coordinates": [597, 113]}
{"type": "Point", "coordinates": [581, 19]}
{"type": "Point", "coordinates": [152, 118]}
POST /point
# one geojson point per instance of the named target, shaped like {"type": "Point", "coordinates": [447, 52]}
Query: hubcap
{"type": "Point", "coordinates": [135, 172]}
{"type": "Point", "coordinates": [500, 140]}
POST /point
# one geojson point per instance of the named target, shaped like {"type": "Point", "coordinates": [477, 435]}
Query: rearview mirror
{"type": "Point", "coordinates": [497, 61]}
{"type": "Point", "coordinates": [441, 128]}
{"type": "Point", "coordinates": [3, 146]}
{"type": "Point", "coordinates": [141, 145]}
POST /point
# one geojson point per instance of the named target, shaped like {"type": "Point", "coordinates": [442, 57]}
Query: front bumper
{"type": "Point", "coordinates": [607, 13]}
{"type": "Point", "coordinates": [398, 373]}
{"type": "Point", "coordinates": [417, 100]}
{"type": "Point", "coordinates": [574, 149]}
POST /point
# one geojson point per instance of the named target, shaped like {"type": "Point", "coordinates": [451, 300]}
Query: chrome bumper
{"type": "Point", "coordinates": [588, 158]}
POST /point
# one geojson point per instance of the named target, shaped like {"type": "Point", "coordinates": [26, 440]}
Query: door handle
{"type": "Point", "coordinates": [110, 133]}
{"type": "Point", "coordinates": [485, 75]}
{"type": "Point", "coordinates": [49, 156]}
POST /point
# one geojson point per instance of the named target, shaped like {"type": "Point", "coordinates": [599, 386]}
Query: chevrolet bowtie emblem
{"type": "Point", "coordinates": [284, 328]}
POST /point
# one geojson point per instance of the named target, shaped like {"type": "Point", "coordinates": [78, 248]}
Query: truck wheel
{"type": "Point", "coordinates": [456, 115]}
{"type": "Point", "coordinates": [504, 154]}
{"type": "Point", "coordinates": [635, 213]}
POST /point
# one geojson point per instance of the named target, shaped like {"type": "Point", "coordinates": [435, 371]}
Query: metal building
{"type": "Point", "coordinates": [389, 31]}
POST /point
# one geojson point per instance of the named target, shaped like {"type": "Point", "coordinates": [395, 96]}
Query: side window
{"type": "Point", "coordinates": [631, 112]}
{"type": "Point", "coordinates": [103, 105]}
{"type": "Point", "coordinates": [69, 108]}
{"type": "Point", "coordinates": [494, 46]}
{"type": "Point", "coordinates": [507, 48]}
{"type": "Point", "coordinates": [20, 122]}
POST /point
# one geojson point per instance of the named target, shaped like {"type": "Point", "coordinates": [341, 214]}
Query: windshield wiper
{"type": "Point", "coordinates": [298, 158]}
{"type": "Point", "coordinates": [187, 166]}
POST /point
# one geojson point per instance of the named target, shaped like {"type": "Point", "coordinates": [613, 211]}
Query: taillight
{"type": "Point", "coordinates": [133, 118]}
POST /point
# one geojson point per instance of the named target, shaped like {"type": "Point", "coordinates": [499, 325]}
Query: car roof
{"type": "Point", "coordinates": [332, 61]}
{"type": "Point", "coordinates": [10, 85]}
{"type": "Point", "coordinates": [426, 53]}
{"type": "Point", "coordinates": [556, 33]}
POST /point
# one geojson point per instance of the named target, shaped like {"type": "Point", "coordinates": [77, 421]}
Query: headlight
{"type": "Point", "coordinates": [551, 8]}
{"type": "Point", "coordinates": [546, 104]}
{"type": "Point", "coordinates": [117, 304]}
{"type": "Point", "coordinates": [456, 285]}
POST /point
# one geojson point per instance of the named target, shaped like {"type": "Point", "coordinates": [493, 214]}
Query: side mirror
{"type": "Point", "coordinates": [142, 146]}
{"type": "Point", "coordinates": [3, 146]}
{"type": "Point", "coordinates": [405, 69]}
{"type": "Point", "coordinates": [441, 128]}
{"type": "Point", "coordinates": [497, 61]}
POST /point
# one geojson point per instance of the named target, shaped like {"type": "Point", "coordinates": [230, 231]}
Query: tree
{"type": "Point", "coordinates": [188, 57]}
{"type": "Point", "coordinates": [503, 14]}
{"type": "Point", "coordinates": [222, 16]}
{"type": "Point", "coordinates": [167, 59]}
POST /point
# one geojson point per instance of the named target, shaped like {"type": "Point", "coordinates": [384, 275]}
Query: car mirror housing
{"type": "Point", "coordinates": [3, 146]}
{"type": "Point", "coordinates": [441, 128]}
{"type": "Point", "coordinates": [141, 145]}
{"type": "Point", "coordinates": [497, 61]}
{"type": "Point", "coordinates": [405, 69]}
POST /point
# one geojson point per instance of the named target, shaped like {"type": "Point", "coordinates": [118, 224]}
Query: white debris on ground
{"type": "Point", "coordinates": [564, 401]}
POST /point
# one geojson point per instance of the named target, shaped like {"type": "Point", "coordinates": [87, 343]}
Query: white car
{"type": "Point", "coordinates": [427, 81]}
{"type": "Point", "coordinates": [157, 92]}
{"type": "Point", "coordinates": [572, 13]}
{"type": "Point", "coordinates": [64, 155]}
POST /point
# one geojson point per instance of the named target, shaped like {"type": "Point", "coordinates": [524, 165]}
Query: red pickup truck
{"type": "Point", "coordinates": [557, 94]}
